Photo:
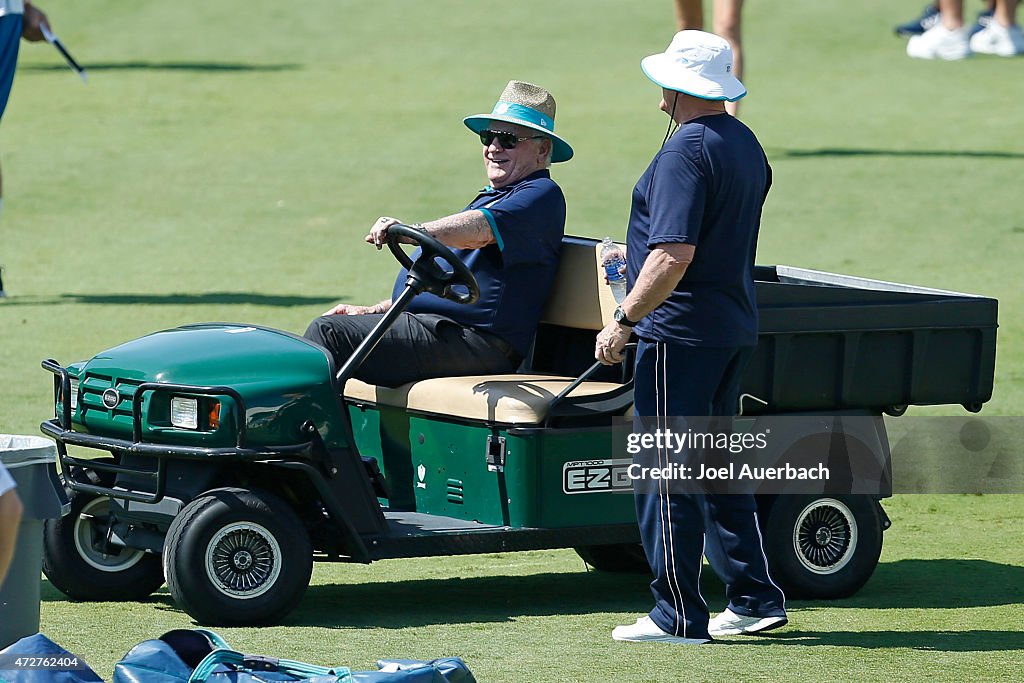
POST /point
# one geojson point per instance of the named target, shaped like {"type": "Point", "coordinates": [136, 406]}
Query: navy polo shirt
{"type": "Point", "coordinates": [705, 187]}
{"type": "Point", "coordinates": [515, 275]}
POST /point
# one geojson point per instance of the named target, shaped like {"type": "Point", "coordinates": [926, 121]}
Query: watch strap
{"type": "Point", "coordinates": [620, 317]}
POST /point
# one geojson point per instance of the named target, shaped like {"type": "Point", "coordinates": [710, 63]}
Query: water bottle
{"type": "Point", "coordinates": [612, 259]}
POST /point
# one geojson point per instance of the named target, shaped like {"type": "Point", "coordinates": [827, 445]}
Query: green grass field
{"type": "Point", "coordinates": [226, 157]}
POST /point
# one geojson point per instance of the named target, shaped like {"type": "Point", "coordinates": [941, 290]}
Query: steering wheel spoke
{"type": "Point", "coordinates": [425, 274]}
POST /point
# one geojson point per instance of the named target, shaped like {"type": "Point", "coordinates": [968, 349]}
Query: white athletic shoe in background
{"type": "Point", "coordinates": [728, 623]}
{"type": "Point", "coordinates": [646, 631]}
{"type": "Point", "coordinates": [996, 39]}
{"type": "Point", "coordinates": [939, 42]}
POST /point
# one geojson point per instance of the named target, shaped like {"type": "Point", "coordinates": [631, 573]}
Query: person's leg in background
{"type": "Point", "coordinates": [728, 23]}
{"type": "Point", "coordinates": [949, 39]}
{"type": "Point", "coordinates": [1002, 36]}
{"type": "Point", "coordinates": [689, 15]}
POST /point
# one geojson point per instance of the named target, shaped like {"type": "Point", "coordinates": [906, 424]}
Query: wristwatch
{"type": "Point", "coordinates": [619, 316]}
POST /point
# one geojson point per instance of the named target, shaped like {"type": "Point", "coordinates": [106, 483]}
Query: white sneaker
{"type": "Point", "coordinates": [996, 39]}
{"type": "Point", "coordinates": [939, 42]}
{"type": "Point", "coordinates": [728, 623]}
{"type": "Point", "coordinates": [645, 630]}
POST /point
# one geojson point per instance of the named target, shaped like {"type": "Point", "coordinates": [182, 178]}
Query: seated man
{"type": "Point", "coordinates": [509, 237]}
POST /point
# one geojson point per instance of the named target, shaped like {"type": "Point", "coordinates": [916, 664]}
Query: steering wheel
{"type": "Point", "coordinates": [425, 274]}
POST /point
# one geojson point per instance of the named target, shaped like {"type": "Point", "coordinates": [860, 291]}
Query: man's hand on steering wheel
{"type": "Point", "coordinates": [378, 236]}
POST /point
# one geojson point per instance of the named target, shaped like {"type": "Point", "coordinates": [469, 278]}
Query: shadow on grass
{"type": "Point", "coordinates": [160, 599]}
{"type": "Point", "coordinates": [938, 584]}
{"type": "Point", "coordinates": [918, 584]}
{"type": "Point", "coordinates": [207, 67]}
{"type": "Point", "coordinates": [931, 641]}
{"type": "Point", "coordinates": [422, 602]}
{"type": "Point", "coordinates": [216, 298]}
{"type": "Point", "coordinates": [849, 152]}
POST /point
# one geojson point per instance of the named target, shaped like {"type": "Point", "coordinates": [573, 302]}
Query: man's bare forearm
{"type": "Point", "coordinates": [661, 272]}
{"type": "Point", "coordinates": [463, 230]}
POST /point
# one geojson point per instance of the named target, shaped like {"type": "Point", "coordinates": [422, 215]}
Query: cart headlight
{"type": "Point", "coordinates": [74, 393]}
{"type": "Point", "coordinates": [185, 412]}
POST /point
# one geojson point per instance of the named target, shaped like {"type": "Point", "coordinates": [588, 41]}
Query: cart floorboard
{"type": "Point", "coordinates": [416, 534]}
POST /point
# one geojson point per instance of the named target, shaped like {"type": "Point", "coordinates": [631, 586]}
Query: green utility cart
{"type": "Point", "coordinates": [233, 456]}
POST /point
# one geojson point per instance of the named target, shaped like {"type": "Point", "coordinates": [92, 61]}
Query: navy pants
{"type": "Point", "coordinates": [679, 528]}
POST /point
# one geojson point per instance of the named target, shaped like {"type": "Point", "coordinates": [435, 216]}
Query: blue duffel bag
{"type": "Point", "coordinates": [200, 656]}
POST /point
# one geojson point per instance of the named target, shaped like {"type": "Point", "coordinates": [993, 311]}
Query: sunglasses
{"type": "Point", "coordinates": [506, 140]}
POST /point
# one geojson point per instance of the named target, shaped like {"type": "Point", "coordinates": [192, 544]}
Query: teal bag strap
{"type": "Point", "coordinates": [206, 667]}
{"type": "Point", "coordinates": [214, 638]}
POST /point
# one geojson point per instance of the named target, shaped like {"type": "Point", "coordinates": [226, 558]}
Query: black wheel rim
{"type": "Point", "coordinates": [243, 560]}
{"type": "Point", "coordinates": [825, 536]}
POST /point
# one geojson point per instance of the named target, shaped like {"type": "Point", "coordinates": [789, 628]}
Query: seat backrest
{"type": "Point", "coordinates": [580, 298]}
{"type": "Point", "coordinates": [579, 306]}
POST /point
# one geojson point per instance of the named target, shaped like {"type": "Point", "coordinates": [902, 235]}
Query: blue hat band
{"type": "Point", "coordinates": [523, 113]}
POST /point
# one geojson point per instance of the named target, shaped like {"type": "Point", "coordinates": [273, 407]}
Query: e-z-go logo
{"type": "Point", "coordinates": [596, 476]}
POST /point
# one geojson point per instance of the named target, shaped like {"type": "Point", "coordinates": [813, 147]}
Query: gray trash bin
{"type": "Point", "coordinates": [31, 462]}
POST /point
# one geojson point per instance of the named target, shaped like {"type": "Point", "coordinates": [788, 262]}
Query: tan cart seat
{"type": "Point", "coordinates": [506, 399]}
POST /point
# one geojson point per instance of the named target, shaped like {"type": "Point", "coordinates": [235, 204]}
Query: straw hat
{"type": "Point", "coordinates": [527, 105]}
{"type": "Point", "coordinates": [696, 63]}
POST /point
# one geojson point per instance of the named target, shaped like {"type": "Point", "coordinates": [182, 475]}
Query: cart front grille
{"type": "Point", "coordinates": [90, 397]}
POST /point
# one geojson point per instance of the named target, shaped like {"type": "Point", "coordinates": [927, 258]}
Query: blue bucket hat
{"type": "Point", "coordinates": [527, 105]}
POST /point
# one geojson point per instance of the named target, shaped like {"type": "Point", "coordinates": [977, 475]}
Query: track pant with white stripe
{"type": "Point", "coordinates": [679, 528]}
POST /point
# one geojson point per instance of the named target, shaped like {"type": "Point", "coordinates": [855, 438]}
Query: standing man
{"type": "Point", "coordinates": [509, 237]}
{"type": "Point", "coordinates": [18, 19]}
{"type": "Point", "coordinates": [691, 240]}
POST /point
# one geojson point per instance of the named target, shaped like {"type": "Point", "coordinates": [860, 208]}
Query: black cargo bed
{"type": "Point", "coordinates": [834, 342]}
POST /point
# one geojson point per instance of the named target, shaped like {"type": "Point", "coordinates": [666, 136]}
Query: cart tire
{"type": "Point", "coordinates": [79, 563]}
{"type": "Point", "coordinates": [823, 547]}
{"type": "Point", "coordinates": [618, 557]}
{"type": "Point", "coordinates": [235, 557]}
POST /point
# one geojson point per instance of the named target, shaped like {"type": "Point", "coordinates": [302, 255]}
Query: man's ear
{"type": "Point", "coordinates": [547, 146]}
